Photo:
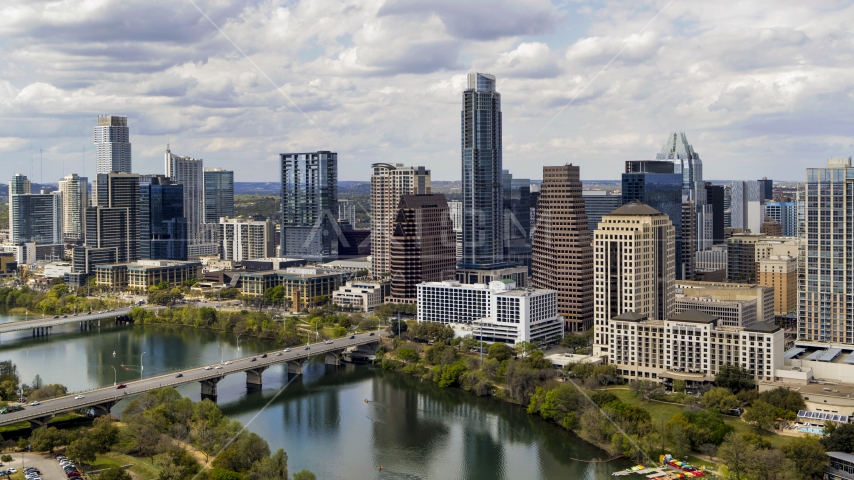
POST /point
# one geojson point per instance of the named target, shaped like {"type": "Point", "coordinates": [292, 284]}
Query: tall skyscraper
{"type": "Point", "coordinates": [112, 144]}
{"type": "Point", "coordinates": [218, 194]}
{"type": "Point", "coordinates": [35, 217]}
{"type": "Point", "coordinates": [389, 182]}
{"type": "Point", "coordinates": [189, 172]}
{"type": "Point", "coordinates": [766, 189]}
{"type": "Point", "coordinates": [825, 285]}
{"type": "Point", "coordinates": [113, 223]}
{"type": "Point", "coordinates": [687, 163]}
{"type": "Point", "coordinates": [715, 196]}
{"type": "Point", "coordinates": [686, 268]}
{"type": "Point", "coordinates": [75, 199]}
{"type": "Point", "coordinates": [517, 219]}
{"type": "Point", "coordinates": [597, 204]}
{"type": "Point", "coordinates": [422, 244]}
{"type": "Point", "coordinates": [656, 183]}
{"type": "Point", "coordinates": [162, 225]}
{"type": "Point", "coordinates": [309, 201]}
{"type": "Point", "coordinates": [634, 249]}
{"type": "Point", "coordinates": [19, 185]}
{"type": "Point", "coordinates": [481, 173]}
{"type": "Point", "coordinates": [562, 256]}
{"type": "Point", "coordinates": [746, 205]}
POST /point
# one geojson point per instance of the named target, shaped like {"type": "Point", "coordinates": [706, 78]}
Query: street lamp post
{"type": "Point", "coordinates": [238, 341]}
{"type": "Point", "coordinates": [141, 367]}
{"type": "Point", "coordinates": [115, 375]}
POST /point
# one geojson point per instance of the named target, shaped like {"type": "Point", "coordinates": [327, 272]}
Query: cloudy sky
{"type": "Point", "coordinates": [760, 88]}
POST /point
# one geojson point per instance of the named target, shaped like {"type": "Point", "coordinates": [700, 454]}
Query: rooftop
{"type": "Point", "coordinates": [762, 327]}
{"type": "Point", "coordinates": [630, 316]}
{"type": "Point", "coordinates": [694, 316]}
{"type": "Point", "coordinates": [635, 207]}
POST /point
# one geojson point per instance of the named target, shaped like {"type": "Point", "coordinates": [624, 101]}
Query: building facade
{"type": "Point", "coordinates": [498, 312]}
{"type": "Point", "coordinates": [142, 275]}
{"type": "Point", "coordinates": [347, 214]}
{"type": "Point", "coordinates": [389, 182]}
{"type": "Point", "coordinates": [597, 204]}
{"type": "Point", "coordinates": [35, 217]}
{"type": "Point", "coordinates": [691, 346]}
{"type": "Point", "coordinates": [114, 220]}
{"type": "Point", "coordinates": [633, 253]}
{"type": "Point", "coordinates": [361, 296]}
{"type": "Point", "coordinates": [242, 239]}
{"type": "Point", "coordinates": [112, 144]}
{"type": "Point", "coordinates": [784, 213]}
{"type": "Point", "coordinates": [482, 187]}
{"type": "Point", "coordinates": [422, 244]}
{"type": "Point", "coordinates": [746, 204]}
{"type": "Point", "coordinates": [189, 172]}
{"type": "Point", "coordinates": [218, 194]}
{"type": "Point", "coordinates": [562, 256]}
{"type": "Point", "coordinates": [309, 203]}
{"type": "Point", "coordinates": [517, 219]}
{"type": "Point", "coordinates": [162, 227]}
{"type": "Point", "coordinates": [75, 198]}
{"type": "Point", "coordinates": [780, 272]}
{"type": "Point", "coordinates": [731, 292]}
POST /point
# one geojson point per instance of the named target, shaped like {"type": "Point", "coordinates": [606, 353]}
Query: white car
{"type": "Point", "coordinates": [78, 397]}
{"type": "Point", "coordinates": [228, 362]}
{"type": "Point", "coordinates": [219, 367]}
{"type": "Point", "coordinates": [287, 350]}
{"type": "Point", "coordinates": [33, 404]}
{"type": "Point", "coordinates": [209, 367]}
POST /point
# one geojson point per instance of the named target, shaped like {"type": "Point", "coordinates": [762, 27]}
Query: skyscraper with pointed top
{"type": "Point", "coordinates": [482, 173]}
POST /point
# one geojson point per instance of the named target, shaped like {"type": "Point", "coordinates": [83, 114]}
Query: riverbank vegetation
{"type": "Point", "coordinates": [57, 299]}
{"type": "Point", "coordinates": [177, 438]}
{"type": "Point", "coordinates": [639, 420]}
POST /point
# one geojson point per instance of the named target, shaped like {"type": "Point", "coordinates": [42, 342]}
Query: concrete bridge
{"type": "Point", "coordinates": [43, 326]}
{"type": "Point", "coordinates": [103, 399]}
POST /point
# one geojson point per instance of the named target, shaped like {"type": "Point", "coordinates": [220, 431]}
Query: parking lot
{"type": "Point", "coordinates": [45, 463]}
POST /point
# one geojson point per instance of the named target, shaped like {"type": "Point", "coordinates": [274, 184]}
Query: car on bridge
{"type": "Point", "coordinates": [209, 367]}
{"type": "Point", "coordinates": [78, 397]}
{"type": "Point", "coordinates": [121, 386]}
{"type": "Point", "coordinates": [179, 375]}
{"type": "Point", "coordinates": [35, 403]}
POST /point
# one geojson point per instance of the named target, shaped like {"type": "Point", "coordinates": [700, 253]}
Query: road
{"type": "Point", "coordinates": [107, 394]}
{"type": "Point", "coordinates": [51, 322]}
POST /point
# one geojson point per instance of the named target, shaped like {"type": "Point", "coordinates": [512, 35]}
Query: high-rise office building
{"type": "Point", "coordinates": [422, 244]}
{"type": "Point", "coordinates": [35, 217]}
{"type": "Point", "coordinates": [481, 174]}
{"type": "Point", "coordinates": [113, 223]}
{"type": "Point", "coordinates": [597, 204]}
{"type": "Point", "coordinates": [247, 239]}
{"type": "Point", "coordinates": [727, 207]}
{"type": "Point", "coordinates": [826, 259]}
{"type": "Point", "coordinates": [218, 194]}
{"type": "Point", "coordinates": [517, 219]}
{"type": "Point", "coordinates": [309, 201]}
{"type": "Point", "coordinates": [112, 144]}
{"type": "Point", "coordinates": [389, 182]}
{"type": "Point", "coordinates": [689, 229]}
{"type": "Point", "coordinates": [189, 172]}
{"type": "Point", "coordinates": [687, 163]}
{"type": "Point", "coordinates": [766, 189]}
{"type": "Point", "coordinates": [562, 256]}
{"type": "Point", "coordinates": [456, 209]}
{"type": "Point", "coordinates": [784, 213]}
{"type": "Point", "coordinates": [347, 214]}
{"type": "Point", "coordinates": [656, 184]}
{"type": "Point", "coordinates": [634, 271]}
{"type": "Point", "coordinates": [746, 204]}
{"type": "Point", "coordinates": [162, 225]}
{"type": "Point", "coordinates": [715, 196]}
{"type": "Point", "coordinates": [75, 199]}
{"type": "Point", "coordinates": [19, 185]}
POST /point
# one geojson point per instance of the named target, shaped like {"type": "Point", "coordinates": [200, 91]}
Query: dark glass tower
{"type": "Point", "coordinates": [309, 205]}
{"type": "Point", "coordinates": [162, 225]}
{"type": "Point", "coordinates": [482, 189]}
{"type": "Point", "coordinates": [656, 184]}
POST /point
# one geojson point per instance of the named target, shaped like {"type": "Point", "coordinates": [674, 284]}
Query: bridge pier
{"type": "Point", "coordinates": [295, 367]}
{"type": "Point", "coordinates": [103, 408]}
{"type": "Point", "coordinates": [333, 358]}
{"type": "Point", "coordinates": [209, 388]}
{"type": "Point", "coordinates": [40, 421]}
{"type": "Point", "coordinates": [253, 378]}
{"type": "Point", "coordinates": [41, 331]}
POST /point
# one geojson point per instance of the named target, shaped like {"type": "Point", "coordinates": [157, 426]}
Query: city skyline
{"type": "Point", "coordinates": [750, 90]}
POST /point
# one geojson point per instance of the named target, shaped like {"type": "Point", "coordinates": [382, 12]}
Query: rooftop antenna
{"type": "Point", "coordinates": [83, 156]}
{"type": "Point", "coordinates": [41, 167]}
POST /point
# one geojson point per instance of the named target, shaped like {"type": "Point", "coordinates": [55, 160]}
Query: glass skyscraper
{"type": "Point", "coordinates": [218, 194]}
{"type": "Point", "coordinates": [481, 174]}
{"type": "Point", "coordinates": [162, 225]}
{"type": "Point", "coordinates": [309, 208]}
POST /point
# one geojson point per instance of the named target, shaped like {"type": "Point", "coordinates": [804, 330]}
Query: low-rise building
{"type": "Point", "coordinates": [243, 239]}
{"type": "Point", "coordinates": [363, 296]}
{"type": "Point", "coordinates": [731, 292]}
{"type": "Point", "coordinates": [140, 276]}
{"type": "Point", "coordinates": [56, 269]}
{"type": "Point", "coordinates": [714, 259]}
{"type": "Point", "coordinates": [264, 264]}
{"type": "Point", "coordinates": [351, 264]}
{"type": "Point", "coordinates": [841, 466]}
{"type": "Point", "coordinates": [691, 346]}
{"type": "Point", "coordinates": [497, 312]}
{"type": "Point", "coordinates": [303, 286]}
{"type": "Point", "coordinates": [8, 264]}
{"type": "Point", "coordinates": [734, 313]}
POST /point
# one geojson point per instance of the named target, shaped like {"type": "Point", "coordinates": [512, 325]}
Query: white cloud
{"type": "Point", "coordinates": [760, 91]}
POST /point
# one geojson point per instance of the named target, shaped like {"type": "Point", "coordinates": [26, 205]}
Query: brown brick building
{"type": "Point", "coordinates": [562, 256]}
{"type": "Point", "coordinates": [423, 245]}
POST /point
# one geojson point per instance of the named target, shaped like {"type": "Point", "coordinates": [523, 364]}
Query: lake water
{"type": "Point", "coordinates": [412, 428]}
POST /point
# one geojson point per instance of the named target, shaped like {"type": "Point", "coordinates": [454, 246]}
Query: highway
{"type": "Point", "coordinates": [62, 320]}
{"type": "Point", "coordinates": [101, 396]}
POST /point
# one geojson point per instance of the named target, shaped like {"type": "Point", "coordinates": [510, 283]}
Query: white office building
{"type": "Point", "coordinates": [247, 239]}
{"type": "Point", "coordinates": [691, 346]}
{"type": "Point", "coordinates": [359, 295]}
{"type": "Point", "coordinates": [497, 312]}
{"type": "Point", "coordinates": [112, 144]}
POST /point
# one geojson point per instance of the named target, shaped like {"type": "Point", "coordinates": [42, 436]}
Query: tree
{"type": "Point", "coordinates": [368, 324]}
{"type": "Point", "coordinates": [768, 464]}
{"type": "Point", "coordinates": [525, 348]}
{"type": "Point", "coordinates": [737, 454]}
{"type": "Point", "coordinates": [761, 414]}
{"type": "Point", "coordinates": [839, 438]}
{"type": "Point", "coordinates": [679, 385]}
{"type": "Point", "coordinates": [398, 326]}
{"type": "Point", "coordinates": [274, 467]}
{"type": "Point", "coordinates": [51, 390]}
{"type": "Point", "coordinates": [45, 439]}
{"type": "Point", "coordinates": [500, 351]}
{"type": "Point", "coordinates": [115, 473]}
{"type": "Point", "coordinates": [407, 355]}
{"type": "Point", "coordinates": [104, 434]}
{"type": "Point", "coordinates": [304, 475]}
{"type": "Point", "coordinates": [735, 378]}
{"type": "Point", "coordinates": [808, 457]}
{"type": "Point", "coordinates": [176, 464]}
{"type": "Point", "coordinates": [720, 399]}
{"type": "Point", "coordinates": [37, 382]}
{"type": "Point", "coordinates": [83, 450]}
